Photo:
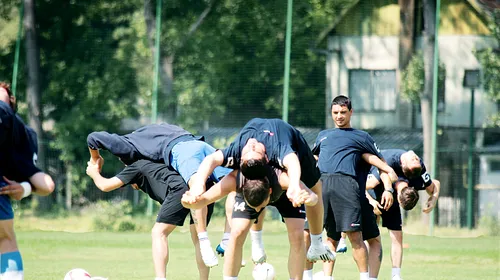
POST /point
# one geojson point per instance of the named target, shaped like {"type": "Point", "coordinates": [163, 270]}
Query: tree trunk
{"type": "Point", "coordinates": [426, 98]}
{"type": "Point", "coordinates": [33, 90]}
{"type": "Point", "coordinates": [67, 187]}
{"type": "Point", "coordinates": [405, 110]}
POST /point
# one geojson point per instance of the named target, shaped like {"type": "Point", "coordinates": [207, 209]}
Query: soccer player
{"type": "Point", "coordinates": [274, 142]}
{"type": "Point", "coordinates": [413, 177]}
{"type": "Point", "coordinates": [340, 160]}
{"type": "Point", "coordinates": [245, 213]}
{"type": "Point", "coordinates": [163, 184]}
{"type": "Point", "coordinates": [175, 147]}
{"type": "Point", "coordinates": [18, 151]}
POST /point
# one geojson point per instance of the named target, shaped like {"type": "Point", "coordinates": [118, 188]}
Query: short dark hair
{"type": "Point", "coordinates": [256, 191]}
{"type": "Point", "coordinates": [254, 168]}
{"type": "Point", "coordinates": [412, 173]}
{"type": "Point", "coordinates": [408, 198]}
{"type": "Point", "coordinates": [341, 100]}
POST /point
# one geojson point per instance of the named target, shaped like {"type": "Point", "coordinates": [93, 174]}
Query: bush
{"type": "Point", "coordinates": [109, 213]}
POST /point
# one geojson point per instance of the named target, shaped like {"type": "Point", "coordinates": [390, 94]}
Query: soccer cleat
{"type": "Point", "coordinates": [341, 247]}
{"type": "Point", "coordinates": [258, 255]}
{"type": "Point", "coordinates": [323, 253]}
{"type": "Point", "coordinates": [209, 257]}
{"type": "Point", "coordinates": [396, 277]}
{"type": "Point", "coordinates": [220, 251]}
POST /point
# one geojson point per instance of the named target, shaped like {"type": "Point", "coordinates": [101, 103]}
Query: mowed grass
{"type": "Point", "coordinates": [48, 255]}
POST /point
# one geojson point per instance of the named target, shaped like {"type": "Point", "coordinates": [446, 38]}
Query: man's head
{"type": "Point", "coordinates": [410, 163]}
{"type": "Point", "coordinates": [257, 193]}
{"type": "Point", "coordinates": [7, 96]}
{"type": "Point", "coordinates": [407, 197]}
{"type": "Point", "coordinates": [341, 111]}
{"type": "Point", "coordinates": [253, 160]}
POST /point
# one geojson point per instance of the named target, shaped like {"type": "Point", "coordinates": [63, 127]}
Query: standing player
{"type": "Point", "coordinates": [18, 151]}
{"type": "Point", "coordinates": [245, 213]}
{"type": "Point", "coordinates": [175, 147]}
{"type": "Point", "coordinates": [165, 185]}
{"type": "Point", "coordinates": [340, 160]}
{"type": "Point", "coordinates": [277, 143]}
{"type": "Point", "coordinates": [413, 177]}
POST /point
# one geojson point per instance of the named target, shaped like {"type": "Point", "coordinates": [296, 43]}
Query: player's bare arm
{"type": "Point", "coordinates": [433, 191]}
{"type": "Point", "coordinates": [387, 196]}
{"type": "Point", "coordinates": [42, 184]}
{"type": "Point", "coordinates": [381, 165]}
{"type": "Point", "coordinates": [104, 184]}
{"type": "Point", "coordinates": [96, 158]}
{"type": "Point", "coordinates": [207, 167]}
{"type": "Point", "coordinates": [292, 164]}
{"type": "Point", "coordinates": [306, 196]}
{"type": "Point", "coordinates": [216, 192]}
{"type": "Point", "coordinates": [13, 189]}
{"type": "Point", "coordinates": [373, 202]}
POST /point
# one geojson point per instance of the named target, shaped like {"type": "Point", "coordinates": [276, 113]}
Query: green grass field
{"type": "Point", "coordinates": [48, 255]}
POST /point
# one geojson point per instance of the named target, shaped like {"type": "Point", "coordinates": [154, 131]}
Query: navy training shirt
{"type": "Point", "coordinates": [393, 159]}
{"type": "Point", "coordinates": [147, 142]}
{"type": "Point", "coordinates": [279, 138]}
{"type": "Point", "coordinates": [340, 151]}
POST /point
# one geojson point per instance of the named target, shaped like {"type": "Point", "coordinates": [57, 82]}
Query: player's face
{"type": "Point", "coordinates": [410, 160]}
{"type": "Point", "coordinates": [400, 185]}
{"type": "Point", "coordinates": [253, 150]}
{"type": "Point", "coordinates": [4, 95]}
{"type": "Point", "coordinates": [341, 116]}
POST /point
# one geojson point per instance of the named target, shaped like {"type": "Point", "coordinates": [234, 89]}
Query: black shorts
{"type": "Point", "coordinates": [284, 206]}
{"type": "Point", "coordinates": [346, 209]}
{"type": "Point", "coordinates": [310, 173]}
{"type": "Point", "coordinates": [391, 219]}
{"type": "Point", "coordinates": [172, 212]}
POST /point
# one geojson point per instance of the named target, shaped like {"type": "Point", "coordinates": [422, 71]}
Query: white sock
{"type": "Point", "coordinates": [396, 271]}
{"type": "Point", "coordinates": [256, 237]}
{"type": "Point", "coordinates": [327, 278]}
{"type": "Point", "coordinates": [225, 240]}
{"type": "Point", "coordinates": [160, 278]}
{"type": "Point", "coordinates": [342, 241]}
{"type": "Point", "coordinates": [308, 274]}
{"type": "Point", "coordinates": [204, 241]}
{"type": "Point", "coordinates": [230, 278]}
{"type": "Point", "coordinates": [364, 276]}
{"type": "Point", "coordinates": [316, 240]}
{"type": "Point", "coordinates": [372, 278]}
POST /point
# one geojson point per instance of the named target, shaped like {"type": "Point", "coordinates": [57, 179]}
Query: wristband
{"type": "Point", "coordinates": [27, 189]}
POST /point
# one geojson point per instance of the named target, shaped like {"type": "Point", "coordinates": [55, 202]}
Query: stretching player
{"type": "Point", "coordinates": [175, 147]}
{"type": "Point", "coordinates": [18, 151]}
{"type": "Point", "coordinates": [274, 142]}
{"type": "Point", "coordinates": [340, 154]}
{"type": "Point", "coordinates": [413, 177]}
{"type": "Point", "coordinates": [245, 213]}
{"type": "Point", "coordinates": [163, 184]}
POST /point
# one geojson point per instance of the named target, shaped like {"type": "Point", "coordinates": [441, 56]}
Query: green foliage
{"type": "Point", "coordinates": [112, 216]}
{"type": "Point", "coordinates": [413, 78]}
{"type": "Point", "coordinates": [491, 224]}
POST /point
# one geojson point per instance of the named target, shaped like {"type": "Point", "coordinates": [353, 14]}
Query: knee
{"type": "Point", "coordinates": [159, 232]}
{"type": "Point", "coordinates": [296, 238]}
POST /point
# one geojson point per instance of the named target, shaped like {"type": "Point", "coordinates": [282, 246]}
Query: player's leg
{"type": "Point", "coordinates": [328, 266]}
{"type": "Point", "coordinates": [374, 246]}
{"type": "Point", "coordinates": [371, 234]}
{"type": "Point", "coordinates": [297, 254]}
{"type": "Point", "coordinates": [308, 266]}
{"type": "Point", "coordinates": [396, 252]}
{"type": "Point", "coordinates": [234, 250]}
{"type": "Point", "coordinates": [159, 238]}
{"type": "Point", "coordinates": [330, 227]}
{"type": "Point", "coordinates": [202, 268]}
{"type": "Point", "coordinates": [11, 263]}
{"type": "Point", "coordinates": [227, 224]}
{"type": "Point", "coordinates": [258, 252]}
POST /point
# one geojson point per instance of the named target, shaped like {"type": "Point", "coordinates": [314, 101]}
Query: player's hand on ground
{"type": "Point", "coordinates": [14, 190]}
{"type": "Point", "coordinates": [92, 169]}
{"type": "Point", "coordinates": [376, 206]}
{"type": "Point", "coordinates": [429, 205]}
{"type": "Point", "coordinates": [387, 200]}
{"type": "Point", "coordinates": [189, 200]}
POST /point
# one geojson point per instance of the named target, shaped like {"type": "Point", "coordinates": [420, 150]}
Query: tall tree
{"type": "Point", "coordinates": [33, 93]}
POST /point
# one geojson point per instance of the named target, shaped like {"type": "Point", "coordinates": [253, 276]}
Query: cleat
{"type": "Point", "coordinates": [396, 277]}
{"type": "Point", "coordinates": [258, 255]}
{"type": "Point", "coordinates": [220, 251]}
{"type": "Point", "coordinates": [341, 248]}
{"type": "Point", "coordinates": [320, 254]}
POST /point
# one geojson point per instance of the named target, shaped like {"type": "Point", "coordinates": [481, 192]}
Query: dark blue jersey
{"type": "Point", "coordinates": [148, 142]}
{"type": "Point", "coordinates": [393, 159]}
{"type": "Point", "coordinates": [340, 152]}
{"type": "Point", "coordinates": [18, 147]}
{"type": "Point", "coordinates": [279, 138]}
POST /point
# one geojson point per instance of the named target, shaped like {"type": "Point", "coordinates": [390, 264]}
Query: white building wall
{"type": "Point", "coordinates": [381, 53]}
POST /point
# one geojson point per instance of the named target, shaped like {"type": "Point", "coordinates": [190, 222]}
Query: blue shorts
{"type": "Point", "coordinates": [186, 157]}
{"type": "Point", "coordinates": [6, 212]}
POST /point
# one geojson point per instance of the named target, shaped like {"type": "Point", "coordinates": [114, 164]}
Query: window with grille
{"type": "Point", "coordinates": [372, 90]}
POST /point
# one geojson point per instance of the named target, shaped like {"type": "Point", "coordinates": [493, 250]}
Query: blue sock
{"type": "Point", "coordinates": [11, 262]}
